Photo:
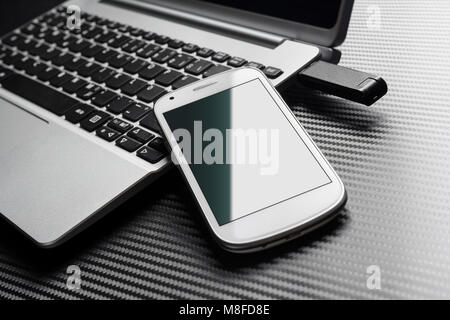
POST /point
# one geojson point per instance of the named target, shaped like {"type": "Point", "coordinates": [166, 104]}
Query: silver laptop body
{"type": "Point", "coordinates": [56, 179]}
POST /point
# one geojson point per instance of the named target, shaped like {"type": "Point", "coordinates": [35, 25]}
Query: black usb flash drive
{"type": "Point", "coordinates": [343, 82]}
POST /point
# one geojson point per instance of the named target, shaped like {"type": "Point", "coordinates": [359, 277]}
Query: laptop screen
{"type": "Point", "coordinates": [314, 21]}
{"type": "Point", "coordinates": [321, 14]}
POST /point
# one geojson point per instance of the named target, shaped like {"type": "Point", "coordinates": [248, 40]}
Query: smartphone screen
{"type": "Point", "coordinates": [243, 151]}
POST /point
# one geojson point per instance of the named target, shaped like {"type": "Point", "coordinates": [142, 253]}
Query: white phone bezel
{"type": "Point", "coordinates": [278, 221]}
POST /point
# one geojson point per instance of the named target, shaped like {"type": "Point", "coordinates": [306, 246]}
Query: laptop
{"type": "Point", "coordinates": [78, 136]}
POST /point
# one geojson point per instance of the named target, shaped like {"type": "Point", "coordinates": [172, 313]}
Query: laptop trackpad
{"type": "Point", "coordinates": [51, 179]}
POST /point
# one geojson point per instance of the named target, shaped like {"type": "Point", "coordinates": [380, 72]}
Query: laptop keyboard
{"type": "Point", "coordinates": [106, 75]}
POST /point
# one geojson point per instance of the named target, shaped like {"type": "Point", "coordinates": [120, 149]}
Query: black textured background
{"type": "Point", "coordinates": [394, 159]}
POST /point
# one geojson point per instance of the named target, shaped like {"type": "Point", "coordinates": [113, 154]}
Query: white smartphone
{"type": "Point", "coordinates": [255, 173]}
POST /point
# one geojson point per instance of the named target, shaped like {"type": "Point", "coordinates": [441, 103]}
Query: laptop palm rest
{"type": "Point", "coordinates": [51, 179]}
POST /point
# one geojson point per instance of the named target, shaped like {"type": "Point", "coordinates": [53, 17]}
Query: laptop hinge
{"type": "Point", "coordinates": [257, 36]}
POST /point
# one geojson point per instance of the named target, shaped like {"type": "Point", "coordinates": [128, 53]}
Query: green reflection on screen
{"type": "Point", "coordinates": [215, 112]}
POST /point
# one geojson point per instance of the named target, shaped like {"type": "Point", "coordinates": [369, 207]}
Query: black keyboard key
{"type": "Point", "coordinates": [133, 87]}
{"type": "Point", "coordinates": [75, 31]}
{"type": "Point", "coordinates": [53, 36]}
{"type": "Point", "coordinates": [31, 29]}
{"type": "Point", "coordinates": [190, 48]}
{"type": "Point", "coordinates": [79, 112]}
{"type": "Point", "coordinates": [220, 56]}
{"type": "Point", "coordinates": [214, 70]}
{"type": "Point", "coordinates": [136, 32]}
{"type": "Point", "coordinates": [168, 77]}
{"type": "Point", "coordinates": [57, 21]}
{"type": "Point", "coordinates": [113, 25]}
{"type": "Point", "coordinates": [124, 28]}
{"type": "Point", "coordinates": [104, 55]}
{"type": "Point", "coordinates": [107, 134]}
{"type": "Point", "coordinates": [149, 36]}
{"type": "Point", "coordinates": [135, 111]}
{"type": "Point", "coordinates": [95, 120]}
{"type": "Point", "coordinates": [128, 144]}
{"type": "Point", "coordinates": [75, 63]}
{"type": "Point", "coordinates": [198, 67]}
{"type": "Point", "coordinates": [272, 72]}
{"type": "Point", "coordinates": [12, 57]}
{"type": "Point", "coordinates": [205, 52]}
{"type": "Point", "coordinates": [66, 41]}
{"type": "Point", "coordinates": [38, 49]}
{"type": "Point", "coordinates": [119, 104]}
{"type": "Point", "coordinates": [87, 69]}
{"type": "Point", "coordinates": [175, 44]}
{"type": "Point", "coordinates": [102, 75]}
{"type": "Point", "coordinates": [151, 71]}
{"type": "Point", "coordinates": [150, 93]}
{"type": "Point", "coordinates": [148, 51]}
{"type": "Point", "coordinates": [83, 26]}
{"type": "Point", "coordinates": [119, 60]}
{"type": "Point", "coordinates": [140, 135]}
{"type": "Point", "coordinates": [27, 44]}
{"type": "Point", "coordinates": [60, 79]}
{"type": "Point", "coordinates": [120, 125]}
{"type": "Point", "coordinates": [62, 58]}
{"type": "Point", "coordinates": [133, 46]}
{"type": "Point", "coordinates": [101, 21]}
{"type": "Point", "coordinates": [158, 144]}
{"type": "Point", "coordinates": [79, 45]}
{"type": "Point", "coordinates": [49, 53]}
{"type": "Point", "coordinates": [88, 17]}
{"type": "Point", "coordinates": [183, 81]}
{"type": "Point", "coordinates": [91, 18]}
{"type": "Point", "coordinates": [47, 73]}
{"type": "Point", "coordinates": [103, 97]}
{"type": "Point", "coordinates": [117, 81]}
{"type": "Point", "coordinates": [23, 43]}
{"type": "Point", "coordinates": [151, 123]}
{"type": "Point", "coordinates": [13, 40]}
{"type": "Point", "coordinates": [4, 73]}
{"type": "Point", "coordinates": [164, 55]}
{"type": "Point", "coordinates": [92, 50]}
{"type": "Point", "coordinates": [256, 65]}
{"type": "Point", "coordinates": [104, 36]}
{"type": "Point", "coordinates": [134, 66]}
{"type": "Point", "coordinates": [180, 61]}
{"type": "Point", "coordinates": [23, 63]}
{"type": "Point", "coordinates": [38, 93]}
{"type": "Point", "coordinates": [35, 67]}
{"type": "Point", "coordinates": [41, 34]}
{"type": "Point", "coordinates": [119, 41]}
{"type": "Point", "coordinates": [236, 62]}
{"type": "Point", "coordinates": [160, 39]}
{"type": "Point", "coordinates": [4, 51]}
{"type": "Point", "coordinates": [74, 85]}
{"type": "Point", "coordinates": [47, 17]}
{"type": "Point", "coordinates": [89, 91]}
{"type": "Point", "coordinates": [149, 154]}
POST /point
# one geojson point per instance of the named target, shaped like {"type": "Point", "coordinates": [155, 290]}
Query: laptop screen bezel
{"type": "Point", "coordinates": [288, 29]}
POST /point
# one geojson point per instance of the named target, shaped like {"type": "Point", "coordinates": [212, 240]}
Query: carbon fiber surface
{"type": "Point", "coordinates": [393, 158]}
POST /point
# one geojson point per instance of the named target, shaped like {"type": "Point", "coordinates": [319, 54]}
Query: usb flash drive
{"type": "Point", "coordinates": [343, 82]}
